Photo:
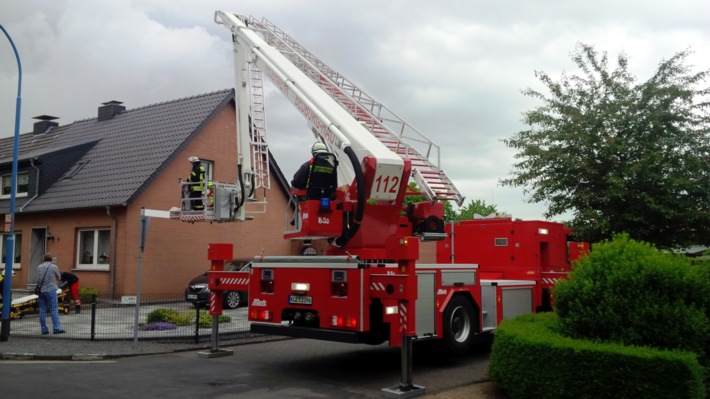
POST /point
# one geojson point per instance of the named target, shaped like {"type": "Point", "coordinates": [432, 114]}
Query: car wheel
{"type": "Point", "coordinates": [232, 300]}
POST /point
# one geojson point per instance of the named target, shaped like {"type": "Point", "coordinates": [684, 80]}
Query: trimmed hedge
{"type": "Point", "coordinates": [631, 293]}
{"type": "Point", "coordinates": [530, 359]}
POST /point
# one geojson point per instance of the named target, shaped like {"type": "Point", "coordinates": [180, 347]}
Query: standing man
{"type": "Point", "coordinates": [70, 281]}
{"type": "Point", "coordinates": [197, 185]}
{"type": "Point", "coordinates": [47, 278]}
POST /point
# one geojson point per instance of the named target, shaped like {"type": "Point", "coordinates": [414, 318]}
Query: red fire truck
{"type": "Point", "coordinates": [508, 249]}
{"type": "Point", "coordinates": [369, 287]}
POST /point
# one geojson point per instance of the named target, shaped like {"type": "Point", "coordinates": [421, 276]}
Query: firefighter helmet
{"type": "Point", "coordinates": [318, 147]}
{"type": "Point", "coordinates": [193, 159]}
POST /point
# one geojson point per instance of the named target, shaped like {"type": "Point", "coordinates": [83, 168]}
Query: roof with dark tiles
{"type": "Point", "coordinates": [141, 140]}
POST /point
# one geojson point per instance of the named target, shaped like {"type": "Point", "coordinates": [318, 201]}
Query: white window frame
{"type": "Point", "coordinates": [86, 253]}
{"type": "Point", "coordinates": [209, 167]}
{"type": "Point", "coordinates": [15, 254]}
{"type": "Point", "coordinates": [18, 193]}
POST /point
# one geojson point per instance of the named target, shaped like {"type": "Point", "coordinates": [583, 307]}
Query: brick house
{"type": "Point", "coordinates": [81, 187]}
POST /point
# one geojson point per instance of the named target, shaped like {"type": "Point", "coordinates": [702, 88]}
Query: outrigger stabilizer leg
{"type": "Point", "coordinates": [405, 389]}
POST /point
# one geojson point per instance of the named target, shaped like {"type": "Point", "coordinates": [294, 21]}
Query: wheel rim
{"type": "Point", "coordinates": [233, 299]}
{"type": "Point", "coordinates": [460, 324]}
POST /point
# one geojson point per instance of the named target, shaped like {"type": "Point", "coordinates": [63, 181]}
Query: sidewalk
{"type": "Point", "coordinates": [116, 322]}
{"type": "Point", "coordinates": [27, 343]}
{"type": "Point", "coordinates": [52, 347]}
{"type": "Point", "coordinates": [109, 332]}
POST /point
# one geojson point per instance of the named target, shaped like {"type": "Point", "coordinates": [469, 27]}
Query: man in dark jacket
{"type": "Point", "coordinates": [70, 282]}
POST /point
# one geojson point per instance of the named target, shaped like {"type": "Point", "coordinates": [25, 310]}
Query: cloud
{"type": "Point", "coordinates": [454, 72]}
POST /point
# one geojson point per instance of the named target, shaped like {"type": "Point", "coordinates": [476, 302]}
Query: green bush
{"type": "Point", "coordinates": [206, 320]}
{"type": "Point", "coordinates": [531, 360]}
{"type": "Point", "coordinates": [182, 319]}
{"type": "Point", "coordinates": [628, 292]}
{"type": "Point", "coordinates": [162, 314]}
{"type": "Point", "coordinates": [85, 294]}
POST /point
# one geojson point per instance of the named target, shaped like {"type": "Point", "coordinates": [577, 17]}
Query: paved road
{"type": "Point", "coordinates": [294, 368]}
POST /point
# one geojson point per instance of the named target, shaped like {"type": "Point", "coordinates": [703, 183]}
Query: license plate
{"type": "Point", "coordinates": [300, 300]}
{"type": "Point", "coordinates": [191, 296]}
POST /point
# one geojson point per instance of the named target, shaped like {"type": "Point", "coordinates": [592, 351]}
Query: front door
{"type": "Point", "coordinates": [38, 247]}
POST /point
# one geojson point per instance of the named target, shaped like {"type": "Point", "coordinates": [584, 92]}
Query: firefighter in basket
{"type": "Point", "coordinates": [196, 184]}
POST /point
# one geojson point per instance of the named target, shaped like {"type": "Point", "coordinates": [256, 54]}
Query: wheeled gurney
{"type": "Point", "coordinates": [30, 304]}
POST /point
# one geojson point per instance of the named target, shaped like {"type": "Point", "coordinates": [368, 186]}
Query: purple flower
{"type": "Point", "coordinates": [158, 326]}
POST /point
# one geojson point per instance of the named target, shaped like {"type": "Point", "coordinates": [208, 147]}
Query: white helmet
{"type": "Point", "coordinates": [318, 147]}
{"type": "Point", "coordinates": [193, 159]}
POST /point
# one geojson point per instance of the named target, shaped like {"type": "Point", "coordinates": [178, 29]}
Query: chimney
{"type": "Point", "coordinates": [45, 123]}
{"type": "Point", "coordinates": [110, 109]}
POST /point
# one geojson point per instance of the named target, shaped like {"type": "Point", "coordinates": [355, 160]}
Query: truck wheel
{"type": "Point", "coordinates": [459, 327]}
{"type": "Point", "coordinates": [232, 300]}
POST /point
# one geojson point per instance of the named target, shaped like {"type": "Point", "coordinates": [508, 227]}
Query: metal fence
{"type": "Point", "coordinates": [108, 318]}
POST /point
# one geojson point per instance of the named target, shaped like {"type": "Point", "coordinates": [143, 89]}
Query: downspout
{"type": "Point", "coordinates": [32, 163]}
{"type": "Point", "coordinates": [112, 252]}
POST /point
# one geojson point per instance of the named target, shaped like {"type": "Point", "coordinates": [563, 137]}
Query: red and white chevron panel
{"type": "Point", "coordinates": [402, 316]}
{"type": "Point", "coordinates": [550, 280]}
{"type": "Point", "coordinates": [377, 286]}
{"type": "Point", "coordinates": [197, 218]}
{"type": "Point", "coordinates": [243, 282]}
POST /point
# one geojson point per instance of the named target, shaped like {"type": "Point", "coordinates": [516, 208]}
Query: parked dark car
{"type": "Point", "coordinates": [198, 294]}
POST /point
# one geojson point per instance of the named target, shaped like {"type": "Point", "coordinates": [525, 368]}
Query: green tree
{"type": "Point", "coordinates": [467, 212]}
{"type": "Point", "coordinates": [450, 214]}
{"type": "Point", "coordinates": [620, 156]}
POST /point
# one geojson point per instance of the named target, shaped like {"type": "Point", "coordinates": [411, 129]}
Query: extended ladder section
{"type": "Point", "coordinates": [391, 130]}
{"type": "Point", "coordinates": [259, 148]}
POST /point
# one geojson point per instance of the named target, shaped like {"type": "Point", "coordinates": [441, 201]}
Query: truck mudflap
{"type": "Point", "coordinates": [307, 332]}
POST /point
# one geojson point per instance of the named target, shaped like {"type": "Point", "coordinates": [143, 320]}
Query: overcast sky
{"type": "Point", "coordinates": [452, 69]}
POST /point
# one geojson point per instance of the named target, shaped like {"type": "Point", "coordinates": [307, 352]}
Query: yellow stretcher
{"type": "Point", "coordinates": [29, 304]}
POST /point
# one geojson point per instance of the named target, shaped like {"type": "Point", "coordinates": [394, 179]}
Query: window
{"type": "Point", "coordinates": [501, 242]}
{"type": "Point", "coordinates": [92, 249]}
{"type": "Point", "coordinates": [23, 184]}
{"type": "Point", "coordinates": [17, 253]}
{"type": "Point", "coordinates": [208, 165]}
{"type": "Point", "coordinates": [74, 170]}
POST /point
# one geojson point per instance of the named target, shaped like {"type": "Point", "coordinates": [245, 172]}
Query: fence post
{"type": "Point", "coordinates": [93, 316]}
{"type": "Point", "coordinates": [197, 324]}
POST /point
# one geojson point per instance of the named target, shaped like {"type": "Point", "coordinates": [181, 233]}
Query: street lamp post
{"type": "Point", "coordinates": [9, 251]}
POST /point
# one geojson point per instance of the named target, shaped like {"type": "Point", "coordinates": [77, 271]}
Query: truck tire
{"type": "Point", "coordinates": [459, 325]}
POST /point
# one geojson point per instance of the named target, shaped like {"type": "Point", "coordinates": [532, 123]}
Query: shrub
{"type": "Point", "coordinates": [85, 294]}
{"type": "Point", "coordinates": [531, 360]}
{"type": "Point", "coordinates": [631, 293]}
{"type": "Point", "coordinates": [206, 320]}
{"type": "Point", "coordinates": [162, 315]}
{"type": "Point", "coordinates": [169, 316]}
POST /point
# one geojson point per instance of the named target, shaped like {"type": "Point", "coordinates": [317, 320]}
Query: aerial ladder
{"type": "Point", "coordinates": [394, 132]}
{"type": "Point", "coordinates": [365, 289]}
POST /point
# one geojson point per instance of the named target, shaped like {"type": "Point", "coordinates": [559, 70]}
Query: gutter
{"type": "Point", "coordinates": [32, 163]}
{"type": "Point", "coordinates": [112, 252]}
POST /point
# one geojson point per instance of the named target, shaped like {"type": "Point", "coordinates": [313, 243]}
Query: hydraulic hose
{"type": "Point", "coordinates": [349, 232]}
{"type": "Point", "coordinates": [240, 200]}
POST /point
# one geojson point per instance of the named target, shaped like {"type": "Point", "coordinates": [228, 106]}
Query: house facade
{"type": "Point", "coordinates": [81, 188]}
